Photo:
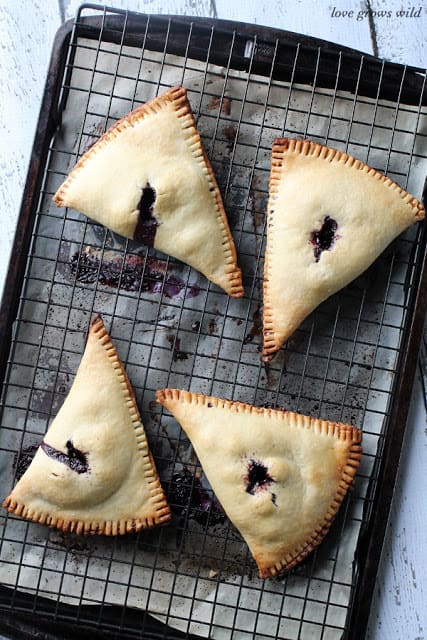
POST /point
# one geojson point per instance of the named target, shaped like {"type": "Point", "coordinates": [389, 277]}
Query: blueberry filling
{"type": "Point", "coordinates": [75, 459]}
{"type": "Point", "coordinates": [187, 496]}
{"type": "Point", "coordinates": [134, 273]}
{"type": "Point", "coordinates": [324, 239]}
{"type": "Point", "coordinates": [258, 478]}
{"type": "Point", "coordinates": [147, 224]}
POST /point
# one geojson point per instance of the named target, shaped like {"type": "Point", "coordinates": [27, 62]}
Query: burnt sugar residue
{"type": "Point", "coordinates": [187, 496]}
{"type": "Point", "coordinates": [256, 329]}
{"type": "Point", "coordinates": [216, 102]}
{"type": "Point", "coordinates": [272, 405]}
{"type": "Point", "coordinates": [147, 224]}
{"type": "Point", "coordinates": [23, 460]}
{"type": "Point", "coordinates": [212, 326]}
{"type": "Point", "coordinates": [133, 273]}
{"type": "Point", "coordinates": [72, 542]}
{"type": "Point", "coordinates": [230, 133]}
{"type": "Point", "coordinates": [175, 344]}
{"type": "Point", "coordinates": [74, 459]}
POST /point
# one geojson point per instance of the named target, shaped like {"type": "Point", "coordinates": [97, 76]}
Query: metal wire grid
{"type": "Point", "coordinates": [340, 364]}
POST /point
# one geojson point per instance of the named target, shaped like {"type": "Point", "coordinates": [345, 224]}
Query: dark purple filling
{"type": "Point", "coordinates": [75, 459]}
{"type": "Point", "coordinates": [147, 224]}
{"type": "Point", "coordinates": [186, 495]}
{"type": "Point", "coordinates": [324, 239]}
{"type": "Point", "coordinates": [258, 478]}
{"type": "Point", "coordinates": [135, 273]}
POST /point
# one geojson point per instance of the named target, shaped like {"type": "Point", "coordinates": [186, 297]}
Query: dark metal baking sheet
{"type": "Point", "coordinates": [353, 359]}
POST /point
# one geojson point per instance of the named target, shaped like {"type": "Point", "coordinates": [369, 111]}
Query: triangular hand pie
{"type": "Point", "coordinates": [93, 472]}
{"type": "Point", "coordinates": [329, 217]}
{"type": "Point", "coordinates": [148, 178]}
{"type": "Point", "coordinates": [279, 476]}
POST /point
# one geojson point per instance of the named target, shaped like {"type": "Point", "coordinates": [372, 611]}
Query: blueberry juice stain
{"type": "Point", "coordinates": [187, 496]}
{"type": "Point", "coordinates": [133, 273]}
{"type": "Point", "coordinates": [258, 479]}
{"type": "Point", "coordinates": [74, 459]}
{"type": "Point", "coordinates": [147, 224]}
{"type": "Point", "coordinates": [324, 238]}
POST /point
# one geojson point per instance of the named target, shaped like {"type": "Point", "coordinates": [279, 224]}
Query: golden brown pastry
{"type": "Point", "coordinates": [279, 476]}
{"type": "Point", "coordinates": [148, 178]}
{"type": "Point", "coordinates": [329, 217]}
{"type": "Point", "coordinates": [93, 472]}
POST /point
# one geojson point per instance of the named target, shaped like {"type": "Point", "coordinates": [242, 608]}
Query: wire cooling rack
{"type": "Point", "coordinates": [346, 362]}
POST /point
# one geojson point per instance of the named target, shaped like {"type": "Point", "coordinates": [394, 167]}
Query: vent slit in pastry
{"type": "Point", "coordinates": [324, 238]}
{"type": "Point", "coordinates": [93, 472]}
{"type": "Point", "coordinates": [282, 476]}
{"type": "Point", "coordinates": [258, 478]}
{"type": "Point", "coordinates": [74, 459]}
{"type": "Point", "coordinates": [147, 224]}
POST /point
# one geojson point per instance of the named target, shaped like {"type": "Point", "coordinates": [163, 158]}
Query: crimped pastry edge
{"type": "Point", "coordinates": [157, 497]}
{"type": "Point", "coordinates": [271, 342]}
{"type": "Point", "coordinates": [340, 431]}
{"type": "Point", "coordinates": [178, 97]}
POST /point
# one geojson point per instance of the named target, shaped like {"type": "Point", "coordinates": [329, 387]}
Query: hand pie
{"type": "Point", "coordinates": [329, 218]}
{"type": "Point", "coordinates": [93, 472]}
{"type": "Point", "coordinates": [279, 476]}
{"type": "Point", "coordinates": [148, 178]}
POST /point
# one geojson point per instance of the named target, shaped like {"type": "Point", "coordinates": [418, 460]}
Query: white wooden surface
{"type": "Point", "coordinates": [27, 29]}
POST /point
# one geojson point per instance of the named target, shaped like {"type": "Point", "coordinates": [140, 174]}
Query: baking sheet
{"type": "Point", "coordinates": [172, 329]}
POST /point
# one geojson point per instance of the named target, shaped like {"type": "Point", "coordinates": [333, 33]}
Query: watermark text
{"type": "Point", "coordinates": [363, 14]}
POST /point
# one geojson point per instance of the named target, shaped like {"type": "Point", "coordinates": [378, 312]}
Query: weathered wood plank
{"type": "Point", "coordinates": [399, 604]}
{"type": "Point", "coordinates": [177, 7]}
{"type": "Point", "coordinates": [398, 607]}
{"type": "Point", "coordinates": [295, 16]}
{"type": "Point", "coordinates": [26, 38]}
{"type": "Point", "coordinates": [310, 17]}
{"type": "Point", "coordinates": [401, 30]}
